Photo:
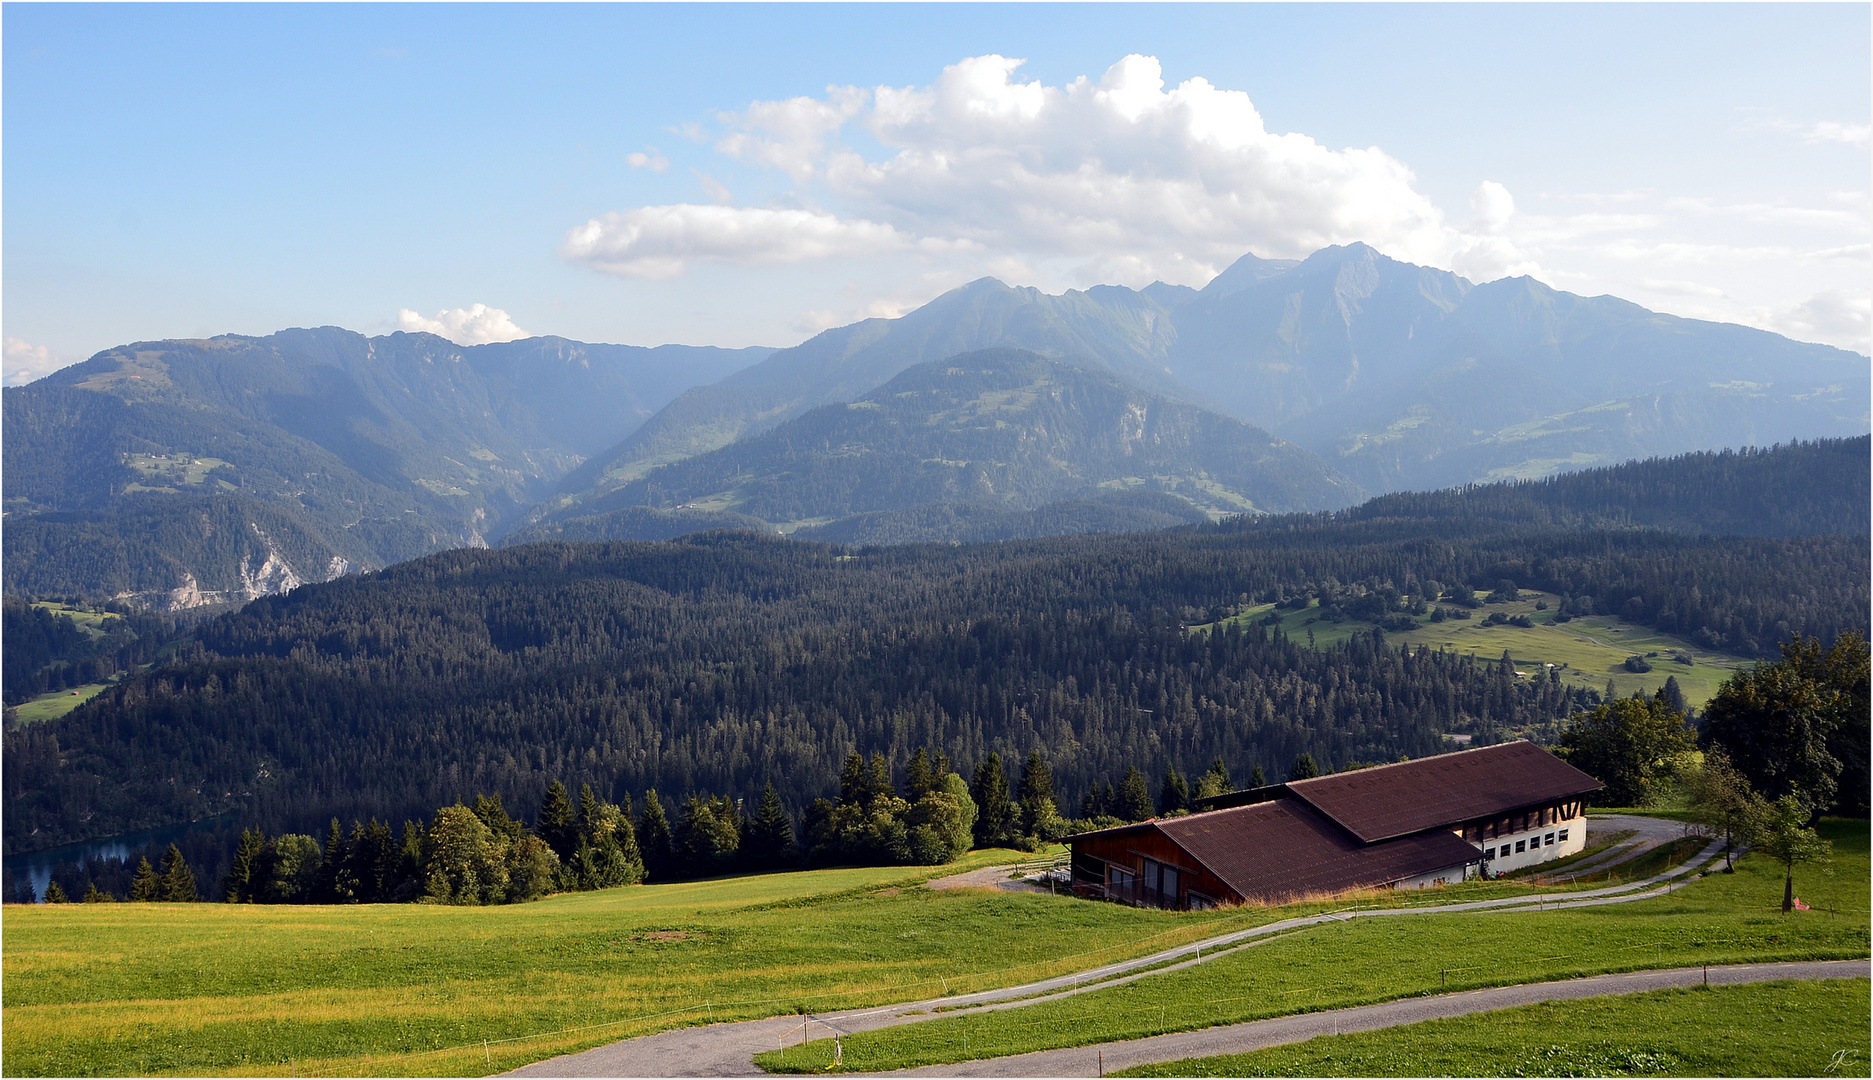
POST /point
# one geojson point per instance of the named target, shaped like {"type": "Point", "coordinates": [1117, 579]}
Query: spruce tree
{"type": "Point", "coordinates": [54, 893]}
{"type": "Point", "coordinates": [328, 883]}
{"type": "Point", "coordinates": [1134, 796]}
{"type": "Point", "coordinates": [919, 778]}
{"type": "Point", "coordinates": [1671, 694]}
{"type": "Point", "coordinates": [146, 887]}
{"type": "Point", "coordinates": [653, 839]}
{"type": "Point", "coordinates": [1303, 768]}
{"type": "Point", "coordinates": [240, 885]}
{"type": "Point", "coordinates": [95, 895]}
{"type": "Point", "coordinates": [769, 841]}
{"type": "Point", "coordinates": [178, 882]}
{"type": "Point", "coordinates": [558, 822]}
{"type": "Point", "coordinates": [1258, 778]}
{"type": "Point", "coordinates": [1173, 793]}
{"type": "Point", "coordinates": [1035, 794]}
{"type": "Point", "coordinates": [990, 792]}
{"type": "Point", "coordinates": [494, 815]}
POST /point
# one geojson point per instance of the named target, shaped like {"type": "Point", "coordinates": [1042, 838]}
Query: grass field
{"type": "Point", "coordinates": [1792, 1028]}
{"type": "Point", "coordinates": [204, 989]}
{"type": "Point", "coordinates": [1593, 647]}
{"type": "Point", "coordinates": [57, 703]}
{"type": "Point", "coordinates": [1722, 918]}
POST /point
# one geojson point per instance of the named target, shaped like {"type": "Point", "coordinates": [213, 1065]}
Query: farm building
{"type": "Point", "coordinates": [1408, 825]}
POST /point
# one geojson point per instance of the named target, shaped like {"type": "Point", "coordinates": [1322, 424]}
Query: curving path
{"type": "Point", "coordinates": [1281, 1030]}
{"type": "Point", "coordinates": [728, 1049]}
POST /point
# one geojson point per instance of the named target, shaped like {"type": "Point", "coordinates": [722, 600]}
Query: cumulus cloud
{"type": "Point", "coordinates": [25, 362]}
{"type": "Point", "coordinates": [657, 241]}
{"type": "Point", "coordinates": [648, 158]}
{"type": "Point", "coordinates": [1123, 177]}
{"type": "Point", "coordinates": [476, 324]}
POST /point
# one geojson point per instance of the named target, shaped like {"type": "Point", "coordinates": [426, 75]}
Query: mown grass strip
{"type": "Point", "coordinates": [1784, 1028]}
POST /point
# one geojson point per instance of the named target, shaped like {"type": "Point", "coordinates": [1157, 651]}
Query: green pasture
{"type": "Point", "coordinates": [91, 622]}
{"type": "Point", "coordinates": [1720, 918]}
{"type": "Point", "coordinates": [1792, 1028]}
{"type": "Point", "coordinates": [53, 705]}
{"type": "Point", "coordinates": [216, 989]}
{"type": "Point", "coordinates": [1594, 648]}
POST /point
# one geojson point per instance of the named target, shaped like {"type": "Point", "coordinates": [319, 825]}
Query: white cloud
{"type": "Point", "coordinates": [25, 362]}
{"type": "Point", "coordinates": [648, 158]}
{"type": "Point", "coordinates": [656, 241]}
{"type": "Point", "coordinates": [1121, 179]}
{"type": "Point", "coordinates": [477, 324]}
{"type": "Point", "coordinates": [1836, 317]}
{"type": "Point", "coordinates": [1833, 131]}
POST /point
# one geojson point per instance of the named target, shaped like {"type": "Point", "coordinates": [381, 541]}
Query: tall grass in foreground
{"type": "Point", "coordinates": [1721, 918]}
{"type": "Point", "coordinates": [1789, 1028]}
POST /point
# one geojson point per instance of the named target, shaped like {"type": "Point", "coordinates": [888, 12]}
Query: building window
{"type": "Point", "coordinates": [1548, 840]}
{"type": "Point", "coordinates": [1563, 836]}
{"type": "Point", "coordinates": [1505, 851]}
{"type": "Point", "coordinates": [1521, 846]}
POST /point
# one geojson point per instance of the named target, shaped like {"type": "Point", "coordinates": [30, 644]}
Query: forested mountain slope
{"type": "Point", "coordinates": [222, 469]}
{"type": "Point", "coordinates": [1001, 427]}
{"type": "Point", "coordinates": [1797, 489]}
{"type": "Point", "coordinates": [728, 660]}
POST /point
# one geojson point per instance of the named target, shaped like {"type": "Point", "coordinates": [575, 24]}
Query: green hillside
{"type": "Point", "coordinates": [1589, 651]}
{"type": "Point", "coordinates": [1000, 427]}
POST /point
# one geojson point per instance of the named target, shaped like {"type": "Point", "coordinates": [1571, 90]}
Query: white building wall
{"type": "Point", "coordinates": [1533, 846]}
{"type": "Point", "coordinates": [1448, 876]}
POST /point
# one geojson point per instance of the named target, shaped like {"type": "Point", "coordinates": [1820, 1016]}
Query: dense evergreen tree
{"type": "Point", "coordinates": [557, 823]}
{"type": "Point", "coordinates": [1134, 797]}
{"type": "Point", "coordinates": [1258, 778]}
{"type": "Point", "coordinates": [54, 894]}
{"type": "Point", "coordinates": [653, 839]}
{"type": "Point", "coordinates": [242, 885]}
{"type": "Point", "coordinates": [177, 881]}
{"type": "Point", "coordinates": [1040, 818]}
{"type": "Point", "coordinates": [1173, 793]}
{"type": "Point", "coordinates": [995, 818]}
{"type": "Point", "coordinates": [769, 842]}
{"type": "Point", "coordinates": [707, 837]}
{"type": "Point", "coordinates": [1303, 768]}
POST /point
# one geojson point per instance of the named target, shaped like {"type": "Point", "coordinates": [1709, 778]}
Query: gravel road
{"type": "Point", "coordinates": [1261, 1034]}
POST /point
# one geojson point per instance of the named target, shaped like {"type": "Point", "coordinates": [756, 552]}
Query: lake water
{"type": "Point", "coordinates": [36, 866]}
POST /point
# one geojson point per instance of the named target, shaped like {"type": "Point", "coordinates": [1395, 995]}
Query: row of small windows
{"type": "Point", "coordinates": [1538, 841]}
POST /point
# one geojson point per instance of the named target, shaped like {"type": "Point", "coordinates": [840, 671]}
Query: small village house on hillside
{"type": "Point", "coordinates": [1409, 825]}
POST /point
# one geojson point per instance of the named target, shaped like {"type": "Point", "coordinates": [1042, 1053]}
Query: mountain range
{"type": "Point", "coordinates": [197, 473]}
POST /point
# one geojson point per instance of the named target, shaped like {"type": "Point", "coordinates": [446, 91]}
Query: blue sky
{"type": "Point", "coordinates": [725, 174]}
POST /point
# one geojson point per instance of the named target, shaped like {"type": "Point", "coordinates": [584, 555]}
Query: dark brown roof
{"type": "Point", "coordinates": [1276, 851]}
{"type": "Point", "coordinates": [1412, 796]}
